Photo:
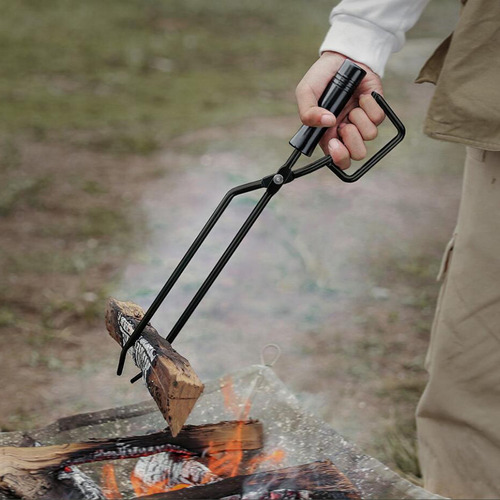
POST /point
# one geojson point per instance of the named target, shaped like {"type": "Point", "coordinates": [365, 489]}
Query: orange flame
{"type": "Point", "coordinates": [234, 403]}
{"type": "Point", "coordinates": [143, 489]}
{"type": "Point", "coordinates": [228, 464]}
{"type": "Point", "coordinates": [109, 484]}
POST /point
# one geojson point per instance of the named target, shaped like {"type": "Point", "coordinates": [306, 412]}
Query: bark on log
{"type": "Point", "coordinates": [29, 471]}
{"type": "Point", "coordinates": [169, 377]}
{"type": "Point", "coordinates": [316, 477]}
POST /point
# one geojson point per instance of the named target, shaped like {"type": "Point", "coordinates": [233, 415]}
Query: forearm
{"type": "Point", "coordinates": [368, 31]}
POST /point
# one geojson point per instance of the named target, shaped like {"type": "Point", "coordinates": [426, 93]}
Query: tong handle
{"type": "Point", "coordinates": [381, 152]}
{"type": "Point", "coordinates": [334, 98]}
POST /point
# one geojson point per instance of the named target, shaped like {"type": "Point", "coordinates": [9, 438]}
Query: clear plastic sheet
{"type": "Point", "coordinates": [287, 426]}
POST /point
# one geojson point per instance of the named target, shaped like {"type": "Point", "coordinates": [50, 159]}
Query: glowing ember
{"type": "Point", "coordinates": [142, 489]}
{"type": "Point", "coordinates": [109, 484]}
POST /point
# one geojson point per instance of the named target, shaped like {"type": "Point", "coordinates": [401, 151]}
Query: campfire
{"type": "Point", "coordinates": [212, 461]}
{"type": "Point", "coordinates": [247, 438]}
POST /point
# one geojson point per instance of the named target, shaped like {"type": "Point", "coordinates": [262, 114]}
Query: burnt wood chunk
{"type": "Point", "coordinates": [219, 437]}
{"type": "Point", "coordinates": [320, 478]}
{"type": "Point", "coordinates": [33, 472]}
{"type": "Point", "coordinates": [169, 377]}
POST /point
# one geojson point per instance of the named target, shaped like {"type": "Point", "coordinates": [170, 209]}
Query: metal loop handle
{"type": "Point", "coordinates": [272, 353]}
{"type": "Point", "coordinates": [381, 152]}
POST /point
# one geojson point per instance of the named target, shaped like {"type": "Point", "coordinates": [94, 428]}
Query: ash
{"type": "Point", "coordinates": [81, 483]}
{"type": "Point", "coordinates": [167, 467]}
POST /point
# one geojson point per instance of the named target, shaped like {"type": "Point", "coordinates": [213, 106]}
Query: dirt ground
{"type": "Point", "coordinates": [341, 277]}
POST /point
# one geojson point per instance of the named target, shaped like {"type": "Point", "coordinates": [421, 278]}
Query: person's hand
{"type": "Point", "coordinates": [358, 121]}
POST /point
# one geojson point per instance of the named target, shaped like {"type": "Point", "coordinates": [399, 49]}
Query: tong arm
{"type": "Point", "coordinates": [226, 200]}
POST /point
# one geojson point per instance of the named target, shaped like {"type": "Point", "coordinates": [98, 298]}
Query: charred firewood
{"type": "Point", "coordinates": [46, 472]}
{"type": "Point", "coordinates": [79, 484]}
{"type": "Point", "coordinates": [169, 377]}
{"type": "Point", "coordinates": [322, 479]}
{"type": "Point", "coordinates": [219, 437]}
{"type": "Point", "coordinates": [70, 483]}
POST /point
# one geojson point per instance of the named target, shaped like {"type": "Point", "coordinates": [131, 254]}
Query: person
{"type": "Point", "coordinates": [458, 416]}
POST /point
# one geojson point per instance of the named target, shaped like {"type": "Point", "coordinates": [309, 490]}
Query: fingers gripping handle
{"type": "Point", "coordinates": [334, 98]}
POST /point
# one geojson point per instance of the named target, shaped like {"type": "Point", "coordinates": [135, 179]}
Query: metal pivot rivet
{"type": "Point", "coordinates": [278, 179]}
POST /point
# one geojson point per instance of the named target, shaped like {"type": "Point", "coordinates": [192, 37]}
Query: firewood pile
{"type": "Point", "coordinates": [165, 470]}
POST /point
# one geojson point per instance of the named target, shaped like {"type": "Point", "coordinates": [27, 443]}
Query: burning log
{"type": "Point", "coordinates": [220, 437]}
{"type": "Point", "coordinates": [320, 479]}
{"type": "Point", "coordinates": [30, 472]}
{"type": "Point", "coordinates": [169, 377]}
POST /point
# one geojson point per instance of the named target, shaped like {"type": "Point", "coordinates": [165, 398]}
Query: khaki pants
{"type": "Point", "coordinates": [458, 417]}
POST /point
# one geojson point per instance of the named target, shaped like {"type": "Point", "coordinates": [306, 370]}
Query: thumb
{"type": "Point", "coordinates": [310, 113]}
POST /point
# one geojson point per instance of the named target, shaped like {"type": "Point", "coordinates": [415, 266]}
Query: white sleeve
{"type": "Point", "coordinates": [368, 31]}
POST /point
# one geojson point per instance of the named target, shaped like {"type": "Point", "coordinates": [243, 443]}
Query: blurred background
{"type": "Point", "coordinates": [122, 126]}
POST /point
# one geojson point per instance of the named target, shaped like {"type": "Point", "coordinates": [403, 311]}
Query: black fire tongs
{"type": "Point", "coordinates": [334, 98]}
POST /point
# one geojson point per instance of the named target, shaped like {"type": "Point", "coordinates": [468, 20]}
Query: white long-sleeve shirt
{"type": "Point", "coordinates": [368, 31]}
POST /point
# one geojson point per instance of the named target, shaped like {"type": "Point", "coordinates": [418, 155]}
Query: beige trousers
{"type": "Point", "coordinates": [458, 417]}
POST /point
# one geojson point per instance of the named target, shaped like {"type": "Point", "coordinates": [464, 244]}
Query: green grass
{"type": "Point", "coordinates": [20, 189]}
{"type": "Point", "coordinates": [397, 445]}
{"type": "Point", "coordinates": [133, 74]}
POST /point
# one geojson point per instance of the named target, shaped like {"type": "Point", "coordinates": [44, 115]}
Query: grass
{"type": "Point", "coordinates": [133, 74]}
{"type": "Point", "coordinates": [397, 445]}
{"type": "Point", "coordinates": [21, 189]}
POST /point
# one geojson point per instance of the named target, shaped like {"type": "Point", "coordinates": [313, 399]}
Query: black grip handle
{"type": "Point", "coordinates": [334, 98]}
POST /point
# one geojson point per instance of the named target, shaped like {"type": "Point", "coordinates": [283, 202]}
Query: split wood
{"type": "Point", "coordinates": [169, 377]}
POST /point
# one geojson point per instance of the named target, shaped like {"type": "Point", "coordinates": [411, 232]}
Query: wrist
{"type": "Point", "coordinates": [337, 57]}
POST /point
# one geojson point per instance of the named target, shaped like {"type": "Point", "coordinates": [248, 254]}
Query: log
{"type": "Point", "coordinates": [169, 377]}
{"type": "Point", "coordinates": [69, 483]}
{"type": "Point", "coordinates": [219, 437]}
{"type": "Point", "coordinates": [29, 471]}
{"type": "Point", "coordinates": [321, 477]}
